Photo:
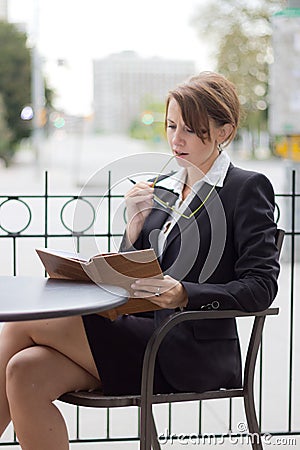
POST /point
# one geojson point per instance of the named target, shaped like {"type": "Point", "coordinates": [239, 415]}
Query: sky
{"type": "Point", "coordinates": [76, 32]}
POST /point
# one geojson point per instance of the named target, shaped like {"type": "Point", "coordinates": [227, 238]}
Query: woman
{"type": "Point", "coordinates": [213, 229]}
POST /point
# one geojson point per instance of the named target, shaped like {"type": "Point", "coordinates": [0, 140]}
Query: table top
{"type": "Point", "coordinates": [29, 298]}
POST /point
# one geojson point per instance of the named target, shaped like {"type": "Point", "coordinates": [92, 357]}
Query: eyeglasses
{"type": "Point", "coordinates": [166, 205]}
{"type": "Point", "coordinates": [172, 208]}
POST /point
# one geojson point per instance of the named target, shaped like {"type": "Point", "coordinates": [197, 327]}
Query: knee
{"type": "Point", "coordinates": [21, 374]}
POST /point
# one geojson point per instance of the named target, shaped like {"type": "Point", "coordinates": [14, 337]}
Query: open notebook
{"type": "Point", "coordinates": [117, 269]}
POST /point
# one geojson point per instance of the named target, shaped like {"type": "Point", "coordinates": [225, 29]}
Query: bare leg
{"type": "Point", "coordinates": [73, 367]}
{"type": "Point", "coordinates": [8, 347]}
{"type": "Point", "coordinates": [37, 376]}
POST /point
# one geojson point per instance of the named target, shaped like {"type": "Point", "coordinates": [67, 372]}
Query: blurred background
{"type": "Point", "coordinates": [82, 91]}
{"type": "Point", "coordinates": [84, 83]}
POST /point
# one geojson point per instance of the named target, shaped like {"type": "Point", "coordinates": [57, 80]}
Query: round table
{"type": "Point", "coordinates": [30, 298]}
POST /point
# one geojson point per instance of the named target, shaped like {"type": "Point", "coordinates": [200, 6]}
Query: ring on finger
{"type": "Point", "coordinates": [157, 293]}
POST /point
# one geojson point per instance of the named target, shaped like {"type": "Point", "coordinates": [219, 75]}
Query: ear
{"type": "Point", "coordinates": [224, 132]}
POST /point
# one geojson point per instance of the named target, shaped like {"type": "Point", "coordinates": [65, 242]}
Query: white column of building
{"type": "Point", "coordinates": [3, 10]}
{"type": "Point", "coordinates": [284, 112]}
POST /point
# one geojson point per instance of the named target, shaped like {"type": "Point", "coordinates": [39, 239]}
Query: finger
{"type": "Point", "coordinates": [140, 199]}
{"type": "Point", "coordinates": [145, 183]}
{"type": "Point", "coordinates": [144, 294]}
{"type": "Point", "coordinates": [154, 282]}
{"type": "Point", "coordinates": [150, 284]}
{"type": "Point", "coordinates": [138, 196]}
{"type": "Point", "coordinates": [150, 290]}
{"type": "Point", "coordinates": [141, 187]}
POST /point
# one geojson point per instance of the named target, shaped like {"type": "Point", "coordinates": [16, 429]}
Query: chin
{"type": "Point", "coordinates": [183, 162]}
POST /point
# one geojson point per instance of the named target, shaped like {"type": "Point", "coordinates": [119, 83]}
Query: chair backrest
{"type": "Point", "coordinates": [257, 329]}
{"type": "Point", "coordinates": [279, 238]}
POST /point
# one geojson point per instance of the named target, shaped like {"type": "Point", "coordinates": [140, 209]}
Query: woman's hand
{"type": "Point", "coordinates": [167, 293]}
{"type": "Point", "coordinates": [139, 203]}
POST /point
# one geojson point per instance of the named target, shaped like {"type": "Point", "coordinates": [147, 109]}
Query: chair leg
{"type": "Point", "coordinates": [146, 431]}
{"type": "Point", "coordinates": [254, 431]}
{"type": "Point", "coordinates": [154, 440]}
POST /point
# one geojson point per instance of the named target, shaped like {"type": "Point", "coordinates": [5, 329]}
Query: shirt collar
{"type": "Point", "coordinates": [218, 171]}
{"type": "Point", "coordinates": [215, 176]}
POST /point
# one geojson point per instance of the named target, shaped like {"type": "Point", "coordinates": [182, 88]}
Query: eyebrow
{"type": "Point", "coordinates": [170, 120]}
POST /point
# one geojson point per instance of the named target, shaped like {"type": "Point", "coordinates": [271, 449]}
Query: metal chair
{"type": "Point", "coordinates": [148, 434]}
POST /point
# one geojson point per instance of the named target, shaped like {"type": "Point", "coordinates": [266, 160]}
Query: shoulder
{"type": "Point", "coordinates": [237, 177]}
{"type": "Point", "coordinates": [246, 189]}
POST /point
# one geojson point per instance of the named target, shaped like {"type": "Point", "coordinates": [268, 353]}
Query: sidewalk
{"type": "Point", "coordinates": [71, 160]}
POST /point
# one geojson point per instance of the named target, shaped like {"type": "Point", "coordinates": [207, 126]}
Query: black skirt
{"type": "Point", "coordinates": [118, 349]}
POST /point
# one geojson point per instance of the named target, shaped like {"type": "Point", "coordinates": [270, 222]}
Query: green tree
{"type": "Point", "coordinates": [5, 134]}
{"type": "Point", "coordinates": [15, 76]}
{"type": "Point", "coordinates": [149, 125]}
{"type": "Point", "coordinates": [241, 33]}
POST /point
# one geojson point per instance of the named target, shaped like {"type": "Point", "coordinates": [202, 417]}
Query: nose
{"type": "Point", "coordinates": [177, 139]}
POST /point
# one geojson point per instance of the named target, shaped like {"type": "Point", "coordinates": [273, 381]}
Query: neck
{"type": "Point", "coordinates": [195, 174]}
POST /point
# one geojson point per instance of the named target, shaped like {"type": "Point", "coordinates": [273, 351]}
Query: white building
{"type": "Point", "coordinates": [3, 10]}
{"type": "Point", "coordinates": [125, 82]}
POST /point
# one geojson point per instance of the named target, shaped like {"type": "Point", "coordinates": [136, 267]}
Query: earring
{"type": "Point", "coordinates": [220, 148]}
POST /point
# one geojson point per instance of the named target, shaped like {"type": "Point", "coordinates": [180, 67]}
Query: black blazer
{"type": "Point", "coordinates": [226, 258]}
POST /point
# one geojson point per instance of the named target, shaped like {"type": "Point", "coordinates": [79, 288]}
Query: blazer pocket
{"type": "Point", "coordinates": [215, 329]}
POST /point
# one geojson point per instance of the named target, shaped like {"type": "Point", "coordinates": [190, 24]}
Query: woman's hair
{"type": "Point", "coordinates": [204, 97]}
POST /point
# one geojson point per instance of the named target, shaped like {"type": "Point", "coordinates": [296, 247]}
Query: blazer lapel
{"type": "Point", "coordinates": [160, 214]}
{"type": "Point", "coordinates": [201, 200]}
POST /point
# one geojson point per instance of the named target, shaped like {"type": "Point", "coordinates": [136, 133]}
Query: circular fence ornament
{"type": "Point", "coordinates": [87, 215]}
{"type": "Point", "coordinates": [13, 209]}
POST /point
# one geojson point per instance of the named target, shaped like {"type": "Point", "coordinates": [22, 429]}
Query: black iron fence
{"type": "Point", "coordinates": [29, 221]}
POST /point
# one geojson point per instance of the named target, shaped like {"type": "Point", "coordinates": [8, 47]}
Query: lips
{"type": "Point", "coordinates": [180, 154]}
